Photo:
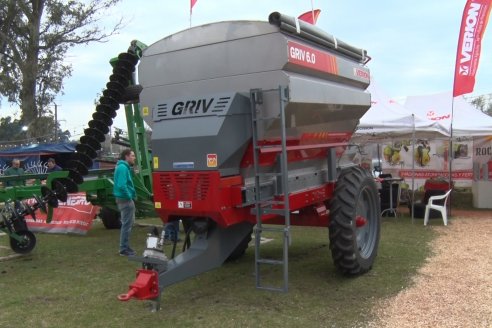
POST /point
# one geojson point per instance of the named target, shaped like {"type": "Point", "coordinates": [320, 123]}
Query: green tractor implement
{"type": "Point", "coordinates": [48, 189]}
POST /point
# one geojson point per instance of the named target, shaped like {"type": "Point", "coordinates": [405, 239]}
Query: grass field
{"type": "Point", "coordinates": [73, 281]}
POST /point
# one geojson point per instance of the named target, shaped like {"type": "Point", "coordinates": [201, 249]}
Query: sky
{"type": "Point", "coordinates": [412, 43]}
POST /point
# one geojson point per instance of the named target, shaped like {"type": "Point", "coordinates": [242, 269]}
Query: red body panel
{"type": "Point", "coordinates": [308, 146]}
{"type": "Point", "coordinates": [206, 194]}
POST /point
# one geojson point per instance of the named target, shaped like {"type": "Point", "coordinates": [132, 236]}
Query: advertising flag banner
{"type": "Point", "coordinates": [473, 24]}
{"type": "Point", "coordinates": [310, 16]}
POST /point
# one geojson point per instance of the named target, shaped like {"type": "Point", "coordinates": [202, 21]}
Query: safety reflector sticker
{"type": "Point", "coordinates": [184, 204]}
{"type": "Point", "coordinates": [145, 111]}
{"type": "Point", "coordinates": [212, 160]}
{"type": "Point", "coordinates": [157, 205]}
{"type": "Point", "coordinates": [156, 162]}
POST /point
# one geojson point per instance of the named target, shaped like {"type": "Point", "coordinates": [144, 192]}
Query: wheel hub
{"type": "Point", "coordinates": [360, 221]}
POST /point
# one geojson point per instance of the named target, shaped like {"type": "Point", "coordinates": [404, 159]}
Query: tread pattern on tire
{"type": "Point", "coordinates": [23, 248]}
{"type": "Point", "coordinates": [110, 218]}
{"type": "Point", "coordinates": [342, 229]}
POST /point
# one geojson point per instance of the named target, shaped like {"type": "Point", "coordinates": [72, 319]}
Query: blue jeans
{"type": "Point", "coordinates": [127, 210]}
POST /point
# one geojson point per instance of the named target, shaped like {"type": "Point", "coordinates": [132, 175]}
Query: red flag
{"type": "Point", "coordinates": [310, 16]}
{"type": "Point", "coordinates": [473, 24]}
{"type": "Point", "coordinates": [192, 3]}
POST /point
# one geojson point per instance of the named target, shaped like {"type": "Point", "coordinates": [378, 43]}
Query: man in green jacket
{"type": "Point", "coordinates": [124, 192]}
{"type": "Point", "coordinates": [14, 170]}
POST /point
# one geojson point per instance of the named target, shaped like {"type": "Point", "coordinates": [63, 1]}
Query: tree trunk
{"type": "Point", "coordinates": [30, 67]}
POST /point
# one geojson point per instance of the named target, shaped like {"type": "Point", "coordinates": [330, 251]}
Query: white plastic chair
{"type": "Point", "coordinates": [441, 208]}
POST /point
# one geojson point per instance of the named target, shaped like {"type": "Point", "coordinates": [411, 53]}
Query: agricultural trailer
{"type": "Point", "coordinates": [249, 120]}
{"type": "Point", "coordinates": [249, 124]}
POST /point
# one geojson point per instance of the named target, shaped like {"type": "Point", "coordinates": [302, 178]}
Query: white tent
{"type": "Point", "coordinates": [388, 119]}
{"type": "Point", "coordinates": [468, 121]}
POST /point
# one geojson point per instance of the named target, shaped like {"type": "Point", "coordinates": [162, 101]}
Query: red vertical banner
{"type": "Point", "coordinates": [473, 24]}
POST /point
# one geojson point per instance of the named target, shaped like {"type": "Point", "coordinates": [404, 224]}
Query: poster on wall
{"type": "Point", "coordinates": [425, 155]}
{"type": "Point", "coordinates": [482, 150]}
{"type": "Point", "coordinates": [429, 159]}
{"type": "Point", "coordinates": [482, 157]}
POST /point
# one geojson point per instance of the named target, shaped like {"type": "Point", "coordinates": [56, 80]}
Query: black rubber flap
{"type": "Point", "coordinates": [93, 143]}
{"type": "Point", "coordinates": [99, 125]}
{"type": "Point", "coordinates": [60, 191]}
{"type": "Point", "coordinates": [95, 133]}
{"type": "Point", "coordinates": [103, 117]}
{"type": "Point", "coordinates": [86, 149]}
{"type": "Point", "coordinates": [78, 166]}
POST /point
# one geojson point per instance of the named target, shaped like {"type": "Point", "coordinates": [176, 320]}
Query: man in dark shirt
{"type": "Point", "coordinates": [52, 166]}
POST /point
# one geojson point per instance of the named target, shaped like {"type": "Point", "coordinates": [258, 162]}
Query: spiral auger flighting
{"type": "Point", "coordinates": [114, 94]}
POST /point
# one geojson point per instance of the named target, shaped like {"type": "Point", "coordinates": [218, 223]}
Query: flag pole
{"type": "Point", "coordinates": [450, 149]}
{"type": "Point", "coordinates": [451, 154]}
{"type": "Point", "coordinates": [312, 10]}
{"type": "Point", "coordinates": [413, 168]}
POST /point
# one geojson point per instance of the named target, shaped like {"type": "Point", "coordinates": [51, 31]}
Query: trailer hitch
{"type": "Point", "coordinates": [145, 286]}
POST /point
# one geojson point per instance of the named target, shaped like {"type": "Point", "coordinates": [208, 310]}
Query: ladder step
{"type": "Point", "coordinates": [276, 211]}
{"type": "Point", "coordinates": [267, 261]}
{"type": "Point", "coordinates": [267, 147]}
{"type": "Point", "coordinates": [270, 229]}
{"type": "Point", "coordinates": [268, 174]}
{"type": "Point", "coordinates": [270, 201]}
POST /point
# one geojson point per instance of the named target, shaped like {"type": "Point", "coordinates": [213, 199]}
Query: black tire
{"type": "Point", "coordinates": [353, 241]}
{"type": "Point", "coordinates": [110, 218]}
{"type": "Point", "coordinates": [27, 245]}
{"type": "Point", "coordinates": [239, 251]}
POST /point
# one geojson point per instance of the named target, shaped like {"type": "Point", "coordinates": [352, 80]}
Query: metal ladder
{"type": "Point", "coordinates": [268, 205]}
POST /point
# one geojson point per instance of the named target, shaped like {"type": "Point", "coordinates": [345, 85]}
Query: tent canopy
{"type": "Point", "coordinates": [39, 149]}
{"type": "Point", "coordinates": [388, 119]}
{"type": "Point", "coordinates": [468, 120]}
{"type": "Point", "coordinates": [32, 156]}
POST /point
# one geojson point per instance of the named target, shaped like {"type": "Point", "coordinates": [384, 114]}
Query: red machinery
{"type": "Point", "coordinates": [250, 121]}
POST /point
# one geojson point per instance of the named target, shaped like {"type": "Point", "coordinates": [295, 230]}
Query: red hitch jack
{"type": "Point", "coordinates": [145, 286]}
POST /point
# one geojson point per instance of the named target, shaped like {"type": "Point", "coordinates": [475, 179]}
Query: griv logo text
{"type": "Point", "coordinates": [191, 107]}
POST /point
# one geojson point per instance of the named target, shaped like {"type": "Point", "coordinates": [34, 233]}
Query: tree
{"type": "Point", "coordinates": [35, 36]}
{"type": "Point", "coordinates": [14, 132]}
{"type": "Point", "coordinates": [482, 103]}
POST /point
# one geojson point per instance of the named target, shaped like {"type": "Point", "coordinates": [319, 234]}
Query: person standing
{"type": "Point", "coordinates": [124, 193]}
{"type": "Point", "coordinates": [52, 166]}
{"type": "Point", "coordinates": [14, 170]}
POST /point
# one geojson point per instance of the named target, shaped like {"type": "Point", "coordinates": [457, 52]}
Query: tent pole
{"type": "Point", "coordinates": [413, 167]}
{"type": "Point", "coordinates": [451, 155]}
{"type": "Point", "coordinates": [379, 160]}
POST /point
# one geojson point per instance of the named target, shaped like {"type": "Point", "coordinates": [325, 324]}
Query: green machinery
{"type": "Point", "coordinates": [98, 184]}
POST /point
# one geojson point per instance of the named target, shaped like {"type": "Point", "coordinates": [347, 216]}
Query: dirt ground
{"type": "Point", "coordinates": [454, 287]}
